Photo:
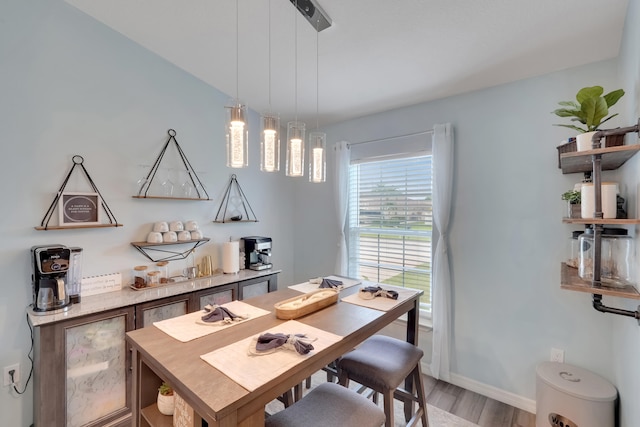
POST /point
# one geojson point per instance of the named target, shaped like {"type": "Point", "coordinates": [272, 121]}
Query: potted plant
{"type": "Point", "coordinates": [166, 401]}
{"type": "Point", "coordinates": [590, 109]}
{"type": "Point", "coordinates": [573, 198]}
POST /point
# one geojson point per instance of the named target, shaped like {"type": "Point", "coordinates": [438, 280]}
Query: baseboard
{"type": "Point", "coordinates": [492, 392]}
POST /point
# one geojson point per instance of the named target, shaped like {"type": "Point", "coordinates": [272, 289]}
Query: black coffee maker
{"type": "Point", "coordinates": [50, 265]}
{"type": "Point", "coordinates": [257, 252]}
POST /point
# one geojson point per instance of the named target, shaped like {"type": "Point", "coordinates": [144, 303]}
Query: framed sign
{"type": "Point", "coordinates": [79, 209]}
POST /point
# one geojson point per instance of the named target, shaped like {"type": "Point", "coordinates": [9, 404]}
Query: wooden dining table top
{"type": "Point", "coordinates": [218, 399]}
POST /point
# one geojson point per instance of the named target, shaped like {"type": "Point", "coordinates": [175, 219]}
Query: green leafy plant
{"type": "Point", "coordinates": [590, 108]}
{"type": "Point", "coordinates": [572, 196]}
{"type": "Point", "coordinates": [165, 389]}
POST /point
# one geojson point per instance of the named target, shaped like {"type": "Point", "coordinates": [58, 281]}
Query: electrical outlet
{"type": "Point", "coordinates": [557, 355]}
{"type": "Point", "coordinates": [7, 375]}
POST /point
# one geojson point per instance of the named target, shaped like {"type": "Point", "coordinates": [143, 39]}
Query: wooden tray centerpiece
{"type": "Point", "coordinates": [302, 305]}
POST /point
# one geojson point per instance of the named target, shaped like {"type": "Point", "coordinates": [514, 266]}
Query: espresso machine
{"type": "Point", "coordinates": [50, 265]}
{"type": "Point", "coordinates": [257, 252]}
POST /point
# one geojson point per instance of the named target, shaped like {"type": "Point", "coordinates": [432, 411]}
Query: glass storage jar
{"type": "Point", "coordinates": [617, 251]}
{"type": "Point", "coordinates": [573, 250]}
{"type": "Point", "coordinates": [139, 276]}
{"type": "Point", "coordinates": [153, 278]}
{"type": "Point", "coordinates": [163, 267]}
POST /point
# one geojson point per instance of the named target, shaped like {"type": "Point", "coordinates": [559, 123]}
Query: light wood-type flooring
{"type": "Point", "coordinates": [474, 407]}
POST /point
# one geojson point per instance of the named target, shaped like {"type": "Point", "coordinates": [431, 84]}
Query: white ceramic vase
{"type": "Point", "coordinates": [166, 404]}
{"type": "Point", "coordinates": [583, 141]}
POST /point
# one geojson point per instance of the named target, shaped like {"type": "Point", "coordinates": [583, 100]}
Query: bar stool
{"type": "Point", "coordinates": [382, 363]}
{"type": "Point", "coordinates": [329, 405]}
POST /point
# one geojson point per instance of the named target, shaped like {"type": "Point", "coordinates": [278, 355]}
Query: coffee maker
{"type": "Point", "coordinates": [50, 265]}
{"type": "Point", "coordinates": [257, 252]}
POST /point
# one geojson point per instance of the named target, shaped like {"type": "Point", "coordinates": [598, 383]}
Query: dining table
{"type": "Point", "coordinates": [211, 393]}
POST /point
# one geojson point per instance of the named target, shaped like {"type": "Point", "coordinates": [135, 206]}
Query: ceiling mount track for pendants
{"type": "Point", "coordinates": [239, 205]}
{"type": "Point", "coordinates": [313, 13]}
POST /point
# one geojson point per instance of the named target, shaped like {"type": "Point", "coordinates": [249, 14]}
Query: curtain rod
{"type": "Point", "coordinates": [392, 137]}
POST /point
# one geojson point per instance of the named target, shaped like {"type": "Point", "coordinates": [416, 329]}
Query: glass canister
{"type": "Point", "coordinates": [153, 278]}
{"type": "Point", "coordinates": [573, 250]}
{"type": "Point", "coordinates": [163, 268]}
{"type": "Point", "coordinates": [139, 276]}
{"type": "Point", "coordinates": [617, 250]}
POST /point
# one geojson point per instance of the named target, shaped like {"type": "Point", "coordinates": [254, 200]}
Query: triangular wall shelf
{"type": "Point", "coordinates": [81, 210]}
{"type": "Point", "coordinates": [240, 207]}
{"type": "Point", "coordinates": [194, 183]}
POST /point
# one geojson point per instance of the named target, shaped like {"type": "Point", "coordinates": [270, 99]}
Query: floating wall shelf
{"type": "Point", "coordinates": [167, 251]}
{"type": "Point", "coordinates": [193, 181]}
{"type": "Point", "coordinates": [241, 209]}
{"type": "Point", "coordinates": [44, 224]}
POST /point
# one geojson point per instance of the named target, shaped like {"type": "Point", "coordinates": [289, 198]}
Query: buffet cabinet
{"type": "Point", "coordinates": [83, 367]}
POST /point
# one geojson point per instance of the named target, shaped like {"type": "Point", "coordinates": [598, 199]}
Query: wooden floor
{"type": "Point", "coordinates": [474, 407]}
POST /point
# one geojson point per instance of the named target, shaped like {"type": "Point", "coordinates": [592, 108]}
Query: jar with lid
{"type": "Point", "coordinates": [573, 249]}
{"type": "Point", "coordinates": [617, 251]}
{"type": "Point", "coordinates": [139, 276]}
{"type": "Point", "coordinates": [163, 268]}
{"type": "Point", "coordinates": [153, 278]}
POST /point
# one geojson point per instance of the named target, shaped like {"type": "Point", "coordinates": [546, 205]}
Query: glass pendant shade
{"type": "Point", "coordinates": [270, 143]}
{"type": "Point", "coordinates": [317, 157]}
{"type": "Point", "coordinates": [295, 149]}
{"type": "Point", "coordinates": [237, 135]}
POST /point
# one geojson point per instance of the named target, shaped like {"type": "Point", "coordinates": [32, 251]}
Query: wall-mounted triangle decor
{"type": "Point", "coordinates": [78, 210]}
{"type": "Point", "coordinates": [234, 206]}
{"type": "Point", "coordinates": [192, 187]}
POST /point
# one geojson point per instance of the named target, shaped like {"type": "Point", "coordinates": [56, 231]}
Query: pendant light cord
{"type": "Point", "coordinates": [295, 58]}
{"type": "Point", "coordinates": [269, 71]}
{"type": "Point", "coordinates": [237, 51]}
{"type": "Point", "coordinates": [317, 79]}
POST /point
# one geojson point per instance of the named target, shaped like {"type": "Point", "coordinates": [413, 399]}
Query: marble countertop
{"type": "Point", "coordinates": [127, 296]}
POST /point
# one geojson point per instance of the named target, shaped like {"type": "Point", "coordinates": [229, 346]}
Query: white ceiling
{"type": "Point", "coordinates": [377, 55]}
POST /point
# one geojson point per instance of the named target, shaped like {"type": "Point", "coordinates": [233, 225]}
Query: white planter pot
{"type": "Point", "coordinates": [583, 141]}
{"type": "Point", "coordinates": [166, 404]}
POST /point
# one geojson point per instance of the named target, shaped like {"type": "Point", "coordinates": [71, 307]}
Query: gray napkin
{"type": "Point", "coordinates": [270, 341]}
{"type": "Point", "coordinates": [330, 283]}
{"type": "Point", "coordinates": [216, 313]}
{"type": "Point", "coordinates": [377, 291]}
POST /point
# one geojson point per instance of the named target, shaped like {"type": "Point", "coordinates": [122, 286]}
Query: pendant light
{"type": "Point", "coordinates": [236, 126]}
{"type": "Point", "coordinates": [317, 139]}
{"type": "Point", "coordinates": [295, 129]}
{"type": "Point", "coordinates": [270, 132]}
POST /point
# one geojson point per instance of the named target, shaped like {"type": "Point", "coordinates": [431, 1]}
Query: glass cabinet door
{"type": "Point", "coordinates": [162, 312]}
{"type": "Point", "coordinates": [96, 375]}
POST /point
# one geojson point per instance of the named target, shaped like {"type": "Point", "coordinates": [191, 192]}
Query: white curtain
{"type": "Point", "coordinates": [441, 277]}
{"type": "Point", "coordinates": [342, 154]}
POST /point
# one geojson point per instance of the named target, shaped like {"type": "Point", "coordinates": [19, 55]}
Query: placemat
{"type": "Point", "coordinates": [307, 287]}
{"type": "Point", "coordinates": [186, 328]}
{"type": "Point", "coordinates": [382, 303]}
{"type": "Point", "coordinates": [251, 371]}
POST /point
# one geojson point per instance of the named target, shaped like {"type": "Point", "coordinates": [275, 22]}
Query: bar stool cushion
{"type": "Point", "coordinates": [381, 361]}
{"type": "Point", "coordinates": [329, 404]}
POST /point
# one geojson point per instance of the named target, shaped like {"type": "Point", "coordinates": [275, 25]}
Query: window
{"type": "Point", "coordinates": [390, 222]}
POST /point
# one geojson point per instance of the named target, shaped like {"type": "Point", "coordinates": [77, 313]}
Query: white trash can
{"type": "Point", "coordinates": [568, 396]}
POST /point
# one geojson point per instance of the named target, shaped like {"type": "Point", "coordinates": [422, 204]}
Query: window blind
{"type": "Point", "coordinates": [390, 222]}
